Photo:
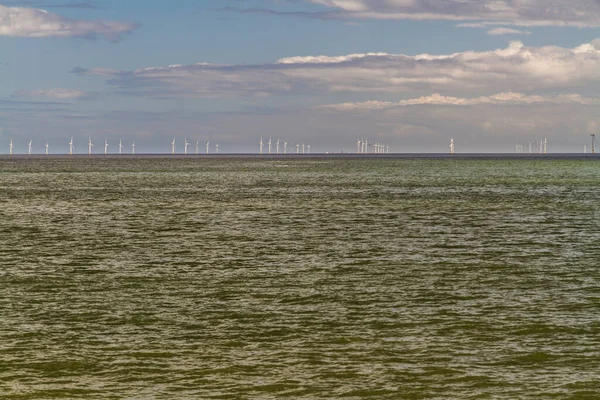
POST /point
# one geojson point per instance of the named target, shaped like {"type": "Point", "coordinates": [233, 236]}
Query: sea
{"type": "Point", "coordinates": [308, 277]}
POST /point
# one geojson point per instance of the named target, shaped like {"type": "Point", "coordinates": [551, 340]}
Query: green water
{"type": "Point", "coordinates": [316, 278]}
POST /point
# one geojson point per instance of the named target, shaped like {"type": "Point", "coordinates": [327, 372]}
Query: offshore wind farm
{"type": "Point", "coordinates": [280, 147]}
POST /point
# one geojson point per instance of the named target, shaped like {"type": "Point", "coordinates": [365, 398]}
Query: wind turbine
{"type": "Point", "coordinates": [29, 149]}
{"type": "Point", "coordinates": [120, 146]}
{"type": "Point", "coordinates": [269, 144]}
{"type": "Point", "coordinates": [366, 143]}
{"type": "Point", "coordinates": [277, 146]}
{"type": "Point", "coordinates": [197, 146]}
{"type": "Point", "coordinates": [133, 148]}
{"type": "Point", "coordinates": [297, 148]}
{"type": "Point", "coordinates": [309, 149]}
{"type": "Point", "coordinates": [71, 147]}
{"type": "Point", "coordinates": [105, 147]}
{"type": "Point", "coordinates": [185, 146]}
{"type": "Point", "coordinates": [217, 148]}
{"type": "Point", "coordinates": [207, 144]}
{"type": "Point", "coordinates": [90, 145]}
{"type": "Point", "coordinates": [261, 146]}
{"type": "Point", "coordinates": [452, 146]}
{"type": "Point", "coordinates": [593, 135]}
{"type": "Point", "coordinates": [173, 147]}
{"type": "Point", "coordinates": [302, 148]}
{"type": "Point", "coordinates": [10, 147]}
{"type": "Point", "coordinates": [284, 147]}
{"type": "Point", "coordinates": [47, 147]}
{"type": "Point", "coordinates": [358, 142]}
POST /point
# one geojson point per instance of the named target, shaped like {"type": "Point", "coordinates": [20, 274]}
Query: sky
{"type": "Point", "coordinates": [410, 74]}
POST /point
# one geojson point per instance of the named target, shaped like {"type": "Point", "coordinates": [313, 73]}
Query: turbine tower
{"type": "Point", "coordinates": [593, 135]}
{"type": "Point", "coordinates": [105, 147]}
{"type": "Point", "coordinates": [270, 144]}
{"type": "Point", "coordinates": [284, 148]}
{"type": "Point", "coordinates": [297, 148]}
{"type": "Point", "coordinates": [207, 144]}
{"type": "Point", "coordinates": [308, 148]}
{"type": "Point", "coordinates": [71, 147]}
{"type": "Point", "coordinates": [120, 146]}
{"type": "Point", "coordinates": [133, 148]}
{"type": "Point", "coordinates": [217, 148]}
{"type": "Point", "coordinates": [451, 145]}
{"type": "Point", "coordinates": [173, 147]}
{"type": "Point", "coordinates": [185, 146]}
{"type": "Point", "coordinates": [197, 147]}
{"type": "Point", "coordinates": [260, 151]}
{"type": "Point", "coordinates": [358, 143]}
{"type": "Point", "coordinates": [302, 148]}
{"type": "Point", "coordinates": [90, 145]}
{"type": "Point", "coordinates": [29, 147]}
{"type": "Point", "coordinates": [277, 146]}
{"type": "Point", "coordinates": [47, 147]}
{"type": "Point", "coordinates": [11, 147]}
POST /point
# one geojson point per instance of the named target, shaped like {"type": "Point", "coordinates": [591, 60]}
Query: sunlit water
{"type": "Point", "coordinates": [319, 278]}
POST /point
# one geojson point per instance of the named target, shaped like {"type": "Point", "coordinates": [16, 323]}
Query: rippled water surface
{"type": "Point", "coordinates": [316, 278]}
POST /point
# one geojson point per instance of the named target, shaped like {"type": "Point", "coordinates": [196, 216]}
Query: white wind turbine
{"type": "Point", "coordinates": [47, 147]}
{"type": "Point", "coordinates": [358, 143]}
{"type": "Point", "coordinates": [269, 144]}
{"type": "Point", "coordinates": [173, 147]}
{"type": "Point", "coordinates": [185, 146]}
{"type": "Point", "coordinates": [71, 147]}
{"type": "Point", "coordinates": [261, 146]}
{"type": "Point", "coordinates": [207, 146]}
{"type": "Point", "coordinates": [197, 147]}
{"type": "Point", "coordinates": [29, 147]}
{"type": "Point", "coordinates": [284, 148]}
{"type": "Point", "coordinates": [451, 145]}
{"type": "Point", "coordinates": [217, 148]}
{"type": "Point", "coordinates": [105, 147]}
{"type": "Point", "coordinates": [308, 148]}
{"type": "Point", "coordinates": [11, 147]}
{"type": "Point", "coordinates": [133, 148]}
{"type": "Point", "coordinates": [277, 146]}
{"type": "Point", "coordinates": [297, 148]}
{"type": "Point", "coordinates": [302, 148]}
{"type": "Point", "coordinates": [90, 145]}
{"type": "Point", "coordinates": [120, 146]}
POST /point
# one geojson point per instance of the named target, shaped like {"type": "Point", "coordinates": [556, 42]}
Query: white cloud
{"type": "Point", "coordinates": [37, 23]}
{"type": "Point", "coordinates": [580, 13]}
{"type": "Point", "coordinates": [59, 94]}
{"type": "Point", "coordinates": [507, 31]}
{"type": "Point", "coordinates": [436, 99]}
{"type": "Point", "coordinates": [517, 66]}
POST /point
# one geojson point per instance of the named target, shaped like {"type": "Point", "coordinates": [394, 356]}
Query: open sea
{"type": "Point", "coordinates": [317, 277]}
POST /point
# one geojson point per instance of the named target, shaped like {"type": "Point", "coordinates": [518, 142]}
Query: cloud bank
{"type": "Point", "coordinates": [477, 73]}
{"type": "Point", "coordinates": [579, 13]}
{"type": "Point", "coordinates": [37, 23]}
{"type": "Point", "coordinates": [436, 99]}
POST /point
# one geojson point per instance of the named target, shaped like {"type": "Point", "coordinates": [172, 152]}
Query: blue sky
{"type": "Point", "coordinates": [407, 73]}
